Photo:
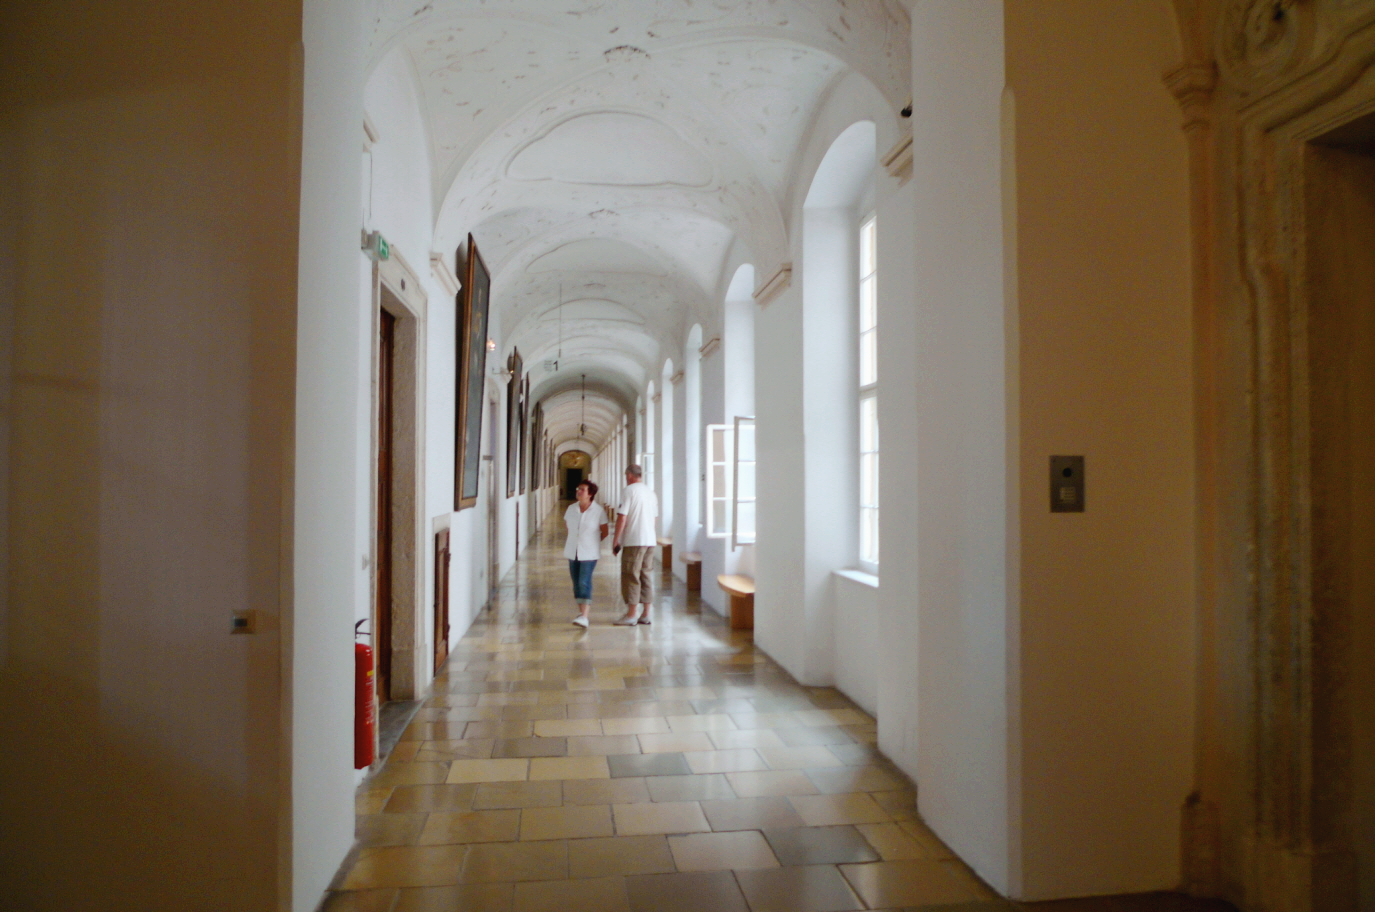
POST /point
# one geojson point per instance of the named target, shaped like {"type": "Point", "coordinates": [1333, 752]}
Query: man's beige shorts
{"type": "Point", "coordinates": [637, 574]}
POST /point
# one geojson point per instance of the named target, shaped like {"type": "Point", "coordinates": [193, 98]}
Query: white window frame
{"type": "Point", "coordinates": [868, 438]}
{"type": "Point", "coordinates": [716, 499]}
{"type": "Point", "coordinates": [742, 466]}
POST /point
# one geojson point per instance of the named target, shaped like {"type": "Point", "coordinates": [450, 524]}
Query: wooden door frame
{"type": "Point", "coordinates": [397, 289]}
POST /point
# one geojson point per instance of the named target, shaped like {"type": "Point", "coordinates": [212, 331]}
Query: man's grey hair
{"type": "Point", "coordinates": [635, 470]}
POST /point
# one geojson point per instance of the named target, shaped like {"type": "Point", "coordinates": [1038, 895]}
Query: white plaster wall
{"type": "Point", "coordinates": [960, 397]}
{"type": "Point", "coordinates": [857, 634]}
{"type": "Point", "coordinates": [714, 551]}
{"type": "Point", "coordinates": [327, 458]}
{"type": "Point", "coordinates": [1104, 364]}
{"type": "Point", "coordinates": [800, 451]}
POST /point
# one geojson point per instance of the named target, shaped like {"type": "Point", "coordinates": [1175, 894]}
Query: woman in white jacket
{"type": "Point", "coordinates": [587, 526]}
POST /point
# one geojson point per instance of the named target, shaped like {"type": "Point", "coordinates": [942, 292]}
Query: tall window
{"type": "Point", "coordinates": [868, 394]}
{"type": "Point", "coordinates": [720, 445]}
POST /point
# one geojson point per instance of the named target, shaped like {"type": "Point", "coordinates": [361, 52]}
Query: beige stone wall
{"type": "Point", "coordinates": [1103, 370]}
{"type": "Point", "coordinates": [151, 152]}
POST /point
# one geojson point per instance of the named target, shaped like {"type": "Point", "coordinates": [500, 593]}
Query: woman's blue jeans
{"type": "Point", "coordinates": [581, 571]}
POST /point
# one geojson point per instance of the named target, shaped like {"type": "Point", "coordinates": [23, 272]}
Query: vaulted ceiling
{"type": "Point", "coordinates": [615, 158]}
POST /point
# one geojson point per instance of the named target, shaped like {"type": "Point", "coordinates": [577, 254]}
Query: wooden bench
{"type": "Point", "coordinates": [694, 570]}
{"type": "Point", "coordinates": [666, 555]}
{"type": "Point", "coordinates": [741, 592]}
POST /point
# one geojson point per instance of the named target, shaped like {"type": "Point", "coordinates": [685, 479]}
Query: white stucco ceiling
{"type": "Point", "coordinates": [614, 153]}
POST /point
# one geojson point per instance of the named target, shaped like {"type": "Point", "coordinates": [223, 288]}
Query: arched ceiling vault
{"type": "Point", "coordinates": [616, 154]}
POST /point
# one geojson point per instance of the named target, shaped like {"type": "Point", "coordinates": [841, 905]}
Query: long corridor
{"type": "Point", "coordinates": [663, 768]}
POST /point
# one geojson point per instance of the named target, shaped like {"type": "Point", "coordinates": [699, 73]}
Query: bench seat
{"type": "Point", "coordinates": [741, 592]}
{"type": "Point", "coordinates": [693, 559]}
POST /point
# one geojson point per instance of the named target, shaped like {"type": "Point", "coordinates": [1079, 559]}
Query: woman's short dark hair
{"type": "Point", "coordinates": [591, 487]}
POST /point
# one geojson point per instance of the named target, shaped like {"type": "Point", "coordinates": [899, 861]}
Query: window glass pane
{"type": "Point", "coordinates": [868, 424]}
{"type": "Point", "coordinates": [868, 358]}
{"type": "Point", "coordinates": [746, 491]}
{"type": "Point", "coordinates": [868, 304]}
{"type": "Point", "coordinates": [718, 480]}
{"type": "Point", "coordinates": [868, 481]}
{"type": "Point", "coordinates": [867, 253]}
{"type": "Point", "coordinates": [746, 517]}
{"type": "Point", "coordinates": [720, 516]}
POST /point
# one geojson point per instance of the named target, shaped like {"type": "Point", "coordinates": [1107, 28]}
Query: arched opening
{"type": "Point", "coordinates": [575, 466]}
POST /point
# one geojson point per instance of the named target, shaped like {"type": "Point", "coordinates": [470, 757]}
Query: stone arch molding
{"type": "Point", "coordinates": [1268, 831]}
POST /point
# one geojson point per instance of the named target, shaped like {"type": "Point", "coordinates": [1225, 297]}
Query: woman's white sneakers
{"type": "Point", "coordinates": [627, 621]}
{"type": "Point", "coordinates": [580, 621]}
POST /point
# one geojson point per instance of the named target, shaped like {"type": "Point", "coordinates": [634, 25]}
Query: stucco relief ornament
{"type": "Point", "coordinates": [1259, 39]}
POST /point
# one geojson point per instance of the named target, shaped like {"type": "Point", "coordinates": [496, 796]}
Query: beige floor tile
{"type": "Point", "coordinates": [361, 901]}
{"type": "Point", "coordinates": [543, 768]}
{"type": "Point", "coordinates": [660, 817]}
{"type": "Point", "coordinates": [798, 757]}
{"type": "Point", "coordinates": [675, 742]}
{"type": "Point", "coordinates": [622, 671]}
{"type": "Point", "coordinates": [855, 779]}
{"type": "Point", "coordinates": [527, 674]}
{"type": "Point", "coordinates": [892, 884]}
{"type": "Point", "coordinates": [406, 866]}
{"type": "Point", "coordinates": [623, 855]}
{"type": "Point", "coordinates": [892, 842]}
{"type": "Point", "coordinates": [570, 822]}
{"type": "Point", "coordinates": [450, 828]}
{"type": "Point", "coordinates": [492, 795]}
{"type": "Point", "coordinates": [689, 788]}
{"type": "Point", "coordinates": [833, 717]}
{"type": "Point", "coordinates": [563, 728]}
{"type": "Point", "coordinates": [928, 839]}
{"type": "Point", "coordinates": [724, 761]}
{"type": "Point", "coordinates": [496, 862]}
{"type": "Point", "coordinates": [603, 745]}
{"type": "Point", "coordinates": [685, 693]}
{"type": "Point", "coordinates": [596, 683]}
{"type": "Point", "coordinates": [507, 699]}
{"type": "Point", "coordinates": [800, 888]}
{"type": "Point", "coordinates": [489, 770]}
{"type": "Point", "coordinates": [445, 751]}
{"type": "Point", "coordinates": [629, 790]}
{"type": "Point", "coordinates": [404, 751]}
{"type": "Point", "coordinates": [371, 800]}
{"type": "Point", "coordinates": [755, 737]}
{"type": "Point", "coordinates": [900, 804]}
{"type": "Point", "coordinates": [721, 851]}
{"type": "Point", "coordinates": [702, 723]}
{"type": "Point", "coordinates": [777, 782]}
{"type": "Point", "coordinates": [635, 726]}
{"type": "Point", "coordinates": [499, 730]}
{"type": "Point", "coordinates": [389, 829]}
{"type": "Point", "coordinates": [603, 894]}
{"type": "Point", "coordinates": [492, 897]}
{"type": "Point", "coordinates": [831, 810]}
{"type": "Point", "coordinates": [693, 891]}
{"type": "Point", "coordinates": [416, 798]}
{"type": "Point", "coordinates": [411, 774]}
{"type": "Point", "coordinates": [765, 720]}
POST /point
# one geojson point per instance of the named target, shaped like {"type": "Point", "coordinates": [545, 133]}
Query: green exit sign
{"type": "Point", "coordinates": [377, 246]}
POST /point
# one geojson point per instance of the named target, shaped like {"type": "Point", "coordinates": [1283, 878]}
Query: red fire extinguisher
{"type": "Point", "coordinates": [364, 707]}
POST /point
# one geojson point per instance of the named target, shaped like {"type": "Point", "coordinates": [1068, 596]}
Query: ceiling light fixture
{"type": "Point", "coordinates": [582, 428]}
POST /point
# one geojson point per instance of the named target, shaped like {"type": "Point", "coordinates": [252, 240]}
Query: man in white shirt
{"type": "Point", "coordinates": [636, 533]}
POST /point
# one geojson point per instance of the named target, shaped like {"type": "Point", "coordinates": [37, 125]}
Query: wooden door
{"type": "Point", "coordinates": [441, 599]}
{"type": "Point", "coordinates": [382, 605]}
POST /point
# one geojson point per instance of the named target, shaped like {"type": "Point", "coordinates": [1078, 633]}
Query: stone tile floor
{"type": "Point", "coordinates": [662, 768]}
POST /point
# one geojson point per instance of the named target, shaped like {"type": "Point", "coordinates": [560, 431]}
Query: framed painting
{"type": "Point", "coordinates": [524, 431]}
{"type": "Point", "coordinates": [514, 405]}
{"type": "Point", "coordinates": [473, 307]}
